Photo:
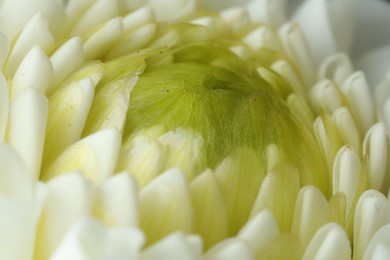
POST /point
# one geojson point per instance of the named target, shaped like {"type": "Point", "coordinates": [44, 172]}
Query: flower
{"type": "Point", "coordinates": [184, 129]}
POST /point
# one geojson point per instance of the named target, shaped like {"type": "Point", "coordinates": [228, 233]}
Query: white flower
{"type": "Point", "coordinates": [185, 129]}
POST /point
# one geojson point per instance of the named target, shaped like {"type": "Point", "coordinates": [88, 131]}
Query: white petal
{"type": "Point", "coordinates": [68, 111]}
{"type": "Point", "coordinates": [285, 69]}
{"type": "Point", "coordinates": [278, 193]}
{"type": "Point", "coordinates": [230, 249]}
{"type": "Point", "coordinates": [89, 239]}
{"type": "Point", "coordinates": [95, 156]}
{"type": "Point", "coordinates": [14, 14]}
{"type": "Point", "coordinates": [375, 64]}
{"type": "Point", "coordinates": [267, 11]}
{"type": "Point", "coordinates": [133, 41]}
{"type": "Point", "coordinates": [296, 47]}
{"type": "Point", "coordinates": [336, 67]}
{"type": "Point", "coordinates": [4, 48]}
{"type": "Point", "coordinates": [325, 96]}
{"type": "Point", "coordinates": [117, 201]}
{"type": "Point", "coordinates": [101, 40]}
{"type": "Point", "coordinates": [376, 147]}
{"type": "Point", "coordinates": [311, 212]}
{"type": "Point", "coordinates": [99, 12]}
{"type": "Point", "coordinates": [346, 127]}
{"type": "Point", "coordinates": [262, 37]}
{"type": "Point", "coordinates": [15, 180]}
{"type": "Point", "coordinates": [209, 209]}
{"type": "Point", "coordinates": [357, 91]}
{"type": "Point", "coordinates": [381, 252]}
{"type": "Point", "coordinates": [36, 32]}
{"type": "Point", "coordinates": [69, 198]}
{"type": "Point", "coordinates": [174, 246]}
{"type": "Point", "coordinates": [372, 212]}
{"type": "Point", "coordinates": [35, 71]}
{"type": "Point", "coordinates": [65, 60]}
{"type": "Point", "coordinates": [259, 231]}
{"type": "Point", "coordinates": [28, 115]}
{"type": "Point", "coordinates": [138, 18]}
{"type": "Point", "coordinates": [171, 10]}
{"type": "Point", "coordinates": [378, 248]}
{"type": "Point", "coordinates": [4, 106]}
{"type": "Point", "coordinates": [330, 242]}
{"type": "Point", "coordinates": [186, 150]}
{"type": "Point", "coordinates": [345, 175]}
{"type": "Point", "coordinates": [165, 206]}
{"type": "Point", "coordinates": [18, 223]}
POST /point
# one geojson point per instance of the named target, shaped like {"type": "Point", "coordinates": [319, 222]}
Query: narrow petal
{"type": "Point", "coordinates": [18, 222]}
{"type": "Point", "coordinates": [16, 13]}
{"type": "Point", "coordinates": [210, 214]}
{"type": "Point", "coordinates": [186, 150]}
{"type": "Point", "coordinates": [311, 212]}
{"type": "Point", "coordinates": [97, 44]}
{"type": "Point", "coordinates": [116, 201]}
{"type": "Point", "coordinates": [239, 176]}
{"type": "Point", "coordinates": [296, 47]}
{"type": "Point", "coordinates": [36, 32]}
{"type": "Point", "coordinates": [27, 127]}
{"type": "Point", "coordinates": [372, 212]}
{"type": "Point", "coordinates": [15, 180]}
{"type": "Point", "coordinates": [97, 13]}
{"type": "Point", "coordinates": [330, 242]}
{"type": "Point", "coordinates": [143, 157]}
{"type": "Point", "coordinates": [174, 246]}
{"type": "Point", "coordinates": [376, 147]}
{"type": "Point", "coordinates": [95, 156]}
{"type": "Point", "coordinates": [378, 247]}
{"type": "Point", "coordinates": [278, 193]}
{"type": "Point", "coordinates": [171, 10]}
{"type": "Point", "coordinates": [65, 60]}
{"type": "Point", "coordinates": [260, 231]}
{"type": "Point", "coordinates": [4, 106]}
{"type": "Point", "coordinates": [68, 199]}
{"type": "Point", "coordinates": [325, 96]}
{"type": "Point", "coordinates": [346, 127]}
{"type": "Point", "coordinates": [68, 111]}
{"type": "Point", "coordinates": [166, 206]}
{"type": "Point", "coordinates": [230, 249]}
{"type": "Point", "coordinates": [336, 67]}
{"type": "Point", "coordinates": [357, 91]}
{"type": "Point", "coordinates": [35, 71]}
{"type": "Point", "coordinates": [4, 49]}
{"type": "Point", "coordinates": [346, 174]}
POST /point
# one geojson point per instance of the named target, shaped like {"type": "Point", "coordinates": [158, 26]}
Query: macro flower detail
{"type": "Point", "coordinates": [190, 129]}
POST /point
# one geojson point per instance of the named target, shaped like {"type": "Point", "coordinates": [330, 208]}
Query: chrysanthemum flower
{"type": "Point", "coordinates": [185, 129]}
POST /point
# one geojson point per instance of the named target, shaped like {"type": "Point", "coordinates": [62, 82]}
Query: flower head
{"type": "Point", "coordinates": [184, 129]}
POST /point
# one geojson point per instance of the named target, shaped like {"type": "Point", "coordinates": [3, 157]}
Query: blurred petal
{"type": "Point", "coordinates": [174, 246]}
{"type": "Point", "coordinates": [89, 239]}
{"type": "Point", "coordinates": [230, 249]}
{"type": "Point", "coordinates": [330, 242]}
